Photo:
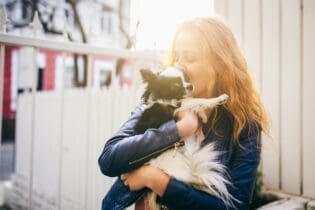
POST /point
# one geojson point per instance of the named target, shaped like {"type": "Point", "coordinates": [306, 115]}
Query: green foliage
{"type": "Point", "coordinates": [258, 183]}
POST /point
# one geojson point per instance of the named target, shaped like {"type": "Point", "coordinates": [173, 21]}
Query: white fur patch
{"type": "Point", "coordinates": [195, 166]}
{"type": "Point", "coordinates": [191, 164]}
{"type": "Point", "coordinates": [200, 105]}
{"type": "Point", "coordinates": [175, 72]}
{"type": "Point", "coordinates": [172, 72]}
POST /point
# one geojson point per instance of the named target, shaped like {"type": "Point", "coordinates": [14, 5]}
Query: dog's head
{"type": "Point", "coordinates": [167, 85]}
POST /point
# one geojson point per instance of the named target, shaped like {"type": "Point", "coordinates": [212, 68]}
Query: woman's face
{"type": "Point", "coordinates": [190, 56]}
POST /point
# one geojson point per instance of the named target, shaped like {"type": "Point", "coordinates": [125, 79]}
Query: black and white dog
{"type": "Point", "coordinates": [166, 93]}
{"type": "Point", "coordinates": [163, 95]}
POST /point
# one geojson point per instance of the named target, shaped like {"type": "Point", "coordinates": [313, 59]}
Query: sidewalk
{"type": "Point", "coordinates": [6, 167]}
{"type": "Point", "coordinates": [6, 160]}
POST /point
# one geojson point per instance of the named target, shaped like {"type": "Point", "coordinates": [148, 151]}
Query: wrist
{"type": "Point", "coordinates": [181, 127]}
{"type": "Point", "coordinates": [187, 127]}
{"type": "Point", "coordinates": [157, 180]}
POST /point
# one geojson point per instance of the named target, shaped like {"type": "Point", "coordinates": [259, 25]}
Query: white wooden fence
{"type": "Point", "coordinates": [60, 134]}
{"type": "Point", "coordinates": [69, 130]}
{"type": "Point", "coordinates": [278, 37]}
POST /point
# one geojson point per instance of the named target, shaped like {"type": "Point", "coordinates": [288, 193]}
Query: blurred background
{"type": "Point", "coordinates": [69, 78]}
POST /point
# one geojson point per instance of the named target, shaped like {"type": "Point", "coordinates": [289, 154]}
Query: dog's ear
{"type": "Point", "coordinates": [147, 75]}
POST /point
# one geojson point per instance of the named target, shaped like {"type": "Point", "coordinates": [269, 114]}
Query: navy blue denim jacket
{"type": "Point", "coordinates": [126, 151]}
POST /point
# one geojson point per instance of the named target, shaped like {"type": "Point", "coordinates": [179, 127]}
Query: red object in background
{"type": "Point", "coordinates": [8, 115]}
{"type": "Point", "coordinates": [49, 71]}
{"type": "Point", "coordinates": [7, 112]}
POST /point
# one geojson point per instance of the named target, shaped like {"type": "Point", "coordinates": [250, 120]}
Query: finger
{"type": "Point", "coordinates": [123, 176]}
{"type": "Point", "coordinates": [126, 183]}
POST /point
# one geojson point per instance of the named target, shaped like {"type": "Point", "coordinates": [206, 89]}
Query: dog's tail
{"type": "Point", "coordinates": [209, 174]}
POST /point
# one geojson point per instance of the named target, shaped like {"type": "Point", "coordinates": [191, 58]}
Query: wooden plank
{"type": "Point", "coordinates": [308, 98]}
{"type": "Point", "coordinates": [23, 136]}
{"type": "Point", "coordinates": [220, 8]}
{"type": "Point", "coordinates": [106, 127]}
{"type": "Point", "coordinates": [271, 91]}
{"type": "Point", "coordinates": [291, 96]}
{"type": "Point", "coordinates": [93, 171]}
{"type": "Point", "coordinates": [46, 149]}
{"type": "Point", "coordinates": [235, 18]}
{"type": "Point", "coordinates": [74, 149]}
{"type": "Point", "coordinates": [252, 37]}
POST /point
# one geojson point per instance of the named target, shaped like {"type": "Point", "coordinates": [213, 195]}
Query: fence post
{"type": "Point", "coordinates": [36, 27]}
{"type": "Point", "coordinates": [3, 19]}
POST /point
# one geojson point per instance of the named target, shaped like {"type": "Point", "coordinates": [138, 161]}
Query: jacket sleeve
{"type": "Point", "coordinates": [242, 170]}
{"type": "Point", "coordinates": [126, 151]}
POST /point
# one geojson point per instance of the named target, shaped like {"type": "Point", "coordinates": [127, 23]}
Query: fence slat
{"type": "Point", "coordinates": [220, 7]}
{"type": "Point", "coordinates": [74, 149]}
{"type": "Point", "coordinates": [106, 131]}
{"type": "Point", "coordinates": [271, 91]}
{"type": "Point", "coordinates": [252, 34]}
{"type": "Point", "coordinates": [235, 18]}
{"type": "Point", "coordinates": [92, 168]}
{"type": "Point", "coordinates": [46, 149]}
{"type": "Point", "coordinates": [308, 98]}
{"type": "Point", "coordinates": [21, 177]}
{"type": "Point", "coordinates": [291, 96]}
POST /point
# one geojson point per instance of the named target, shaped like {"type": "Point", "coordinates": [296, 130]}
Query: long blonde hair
{"type": "Point", "coordinates": [231, 73]}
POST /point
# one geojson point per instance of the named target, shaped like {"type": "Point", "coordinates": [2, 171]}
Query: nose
{"type": "Point", "coordinates": [190, 87]}
{"type": "Point", "coordinates": [178, 63]}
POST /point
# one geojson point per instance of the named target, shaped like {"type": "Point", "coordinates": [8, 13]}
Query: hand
{"type": "Point", "coordinates": [187, 123]}
{"type": "Point", "coordinates": [137, 179]}
{"type": "Point", "coordinates": [146, 176]}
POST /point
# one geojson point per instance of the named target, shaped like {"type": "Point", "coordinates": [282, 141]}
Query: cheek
{"type": "Point", "coordinates": [199, 78]}
{"type": "Point", "coordinates": [201, 84]}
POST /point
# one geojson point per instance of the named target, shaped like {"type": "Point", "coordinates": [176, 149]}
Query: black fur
{"type": "Point", "coordinates": [154, 117]}
{"type": "Point", "coordinates": [159, 87]}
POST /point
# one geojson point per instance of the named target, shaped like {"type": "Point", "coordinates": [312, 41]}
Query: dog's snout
{"type": "Point", "coordinates": [190, 87]}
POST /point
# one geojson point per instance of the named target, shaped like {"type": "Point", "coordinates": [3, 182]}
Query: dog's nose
{"type": "Point", "coordinates": [190, 87]}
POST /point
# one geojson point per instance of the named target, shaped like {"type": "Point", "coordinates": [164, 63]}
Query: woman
{"type": "Point", "coordinates": [205, 48]}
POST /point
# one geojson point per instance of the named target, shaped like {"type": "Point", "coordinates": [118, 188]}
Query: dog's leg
{"type": "Point", "coordinates": [198, 104]}
{"type": "Point", "coordinates": [202, 115]}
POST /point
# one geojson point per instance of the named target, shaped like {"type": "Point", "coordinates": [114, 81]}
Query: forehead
{"type": "Point", "coordinates": [187, 42]}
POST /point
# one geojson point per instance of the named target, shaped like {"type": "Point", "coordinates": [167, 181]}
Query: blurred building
{"type": "Point", "coordinates": [101, 23]}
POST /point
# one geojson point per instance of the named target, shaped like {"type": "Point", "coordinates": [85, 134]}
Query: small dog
{"type": "Point", "coordinates": [162, 96]}
{"type": "Point", "coordinates": [167, 93]}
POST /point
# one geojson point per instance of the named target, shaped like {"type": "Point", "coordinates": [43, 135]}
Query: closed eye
{"type": "Point", "coordinates": [190, 58]}
{"type": "Point", "coordinates": [186, 78]}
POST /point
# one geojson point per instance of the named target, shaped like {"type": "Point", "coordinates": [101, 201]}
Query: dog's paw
{"type": "Point", "coordinates": [222, 99]}
{"type": "Point", "coordinates": [202, 115]}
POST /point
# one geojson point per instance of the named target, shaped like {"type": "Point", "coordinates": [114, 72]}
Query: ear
{"type": "Point", "coordinates": [147, 75]}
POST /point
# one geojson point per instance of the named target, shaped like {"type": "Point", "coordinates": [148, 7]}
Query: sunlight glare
{"type": "Point", "coordinates": [159, 19]}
